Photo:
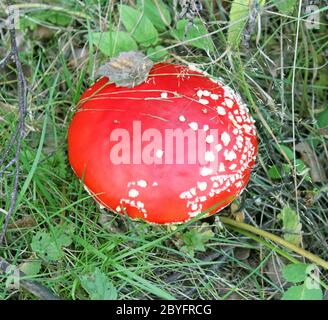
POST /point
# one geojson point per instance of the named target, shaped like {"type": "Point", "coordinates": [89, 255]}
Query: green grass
{"type": "Point", "coordinates": [143, 261]}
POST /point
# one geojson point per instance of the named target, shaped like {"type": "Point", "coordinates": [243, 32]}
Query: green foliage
{"type": "Point", "coordinates": [285, 6]}
{"type": "Point", "coordinates": [301, 168]}
{"type": "Point", "coordinates": [157, 12]}
{"type": "Point", "coordinates": [157, 56]}
{"type": "Point", "coordinates": [31, 267]}
{"type": "Point", "coordinates": [323, 119]}
{"type": "Point", "coordinates": [295, 272]}
{"type": "Point", "coordinates": [238, 17]}
{"type": "Point", "coordinates": [138, 24]}
{"type": "Point", "coordinates": [282, 148]}
{"type": "Point", "coordinates": [196, 239]}
{"type": "Point", "coordinates": [32, 19]}
{"type": "Point", "coordinates": [301, 292]}
{"type": "Point", "coordinates": [198, 30]}
{"type": "Point", "coordinates": [309, 289]}
{"type": "Point", "coordinates": [112, 43]}
{"type": "Point", "coordinates": [275, 173]}
{"type": "Point", "coordinates": [292, 226]}
{"type": "Point", "coordinates": [98, 286]}
{"type": "Point", "coordinates": [48, 245]}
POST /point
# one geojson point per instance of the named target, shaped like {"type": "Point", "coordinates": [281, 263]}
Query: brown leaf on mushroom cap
{"type": "Point", "coordinates": [310, 158]}
{"type": "Point", "coordinates": [128, 69]}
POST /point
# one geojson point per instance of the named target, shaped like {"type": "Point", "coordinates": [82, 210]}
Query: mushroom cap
{"type": "Point", "coordinates": [159, 180]}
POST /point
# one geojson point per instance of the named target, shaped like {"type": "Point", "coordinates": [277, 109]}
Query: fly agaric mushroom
{"type": "Point", "coordinates": [166, 150]}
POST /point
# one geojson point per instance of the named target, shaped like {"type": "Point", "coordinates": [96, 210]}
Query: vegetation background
{"type": "Point", "coordinates": [273, 52]}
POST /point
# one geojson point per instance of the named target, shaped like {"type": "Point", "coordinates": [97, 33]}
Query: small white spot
{"type": "Point", "coordinates": [204, 110]}
{"type": "Point", "coordinates": [133, 193]}
{"type": "Point", "coordinates": [192, 67]}
{"type": "Point", "coordinates": [229, 103]}
{"type": "Point", "coordinates": [164, 95]}
{"type": "Point", "coordinates": [194, 207]}
{"type": "Point", "coordinates": [214, 96]}
{"type": "Point", "coordinates": [221, 167]}
{"type": "Point", "coordinates": [215, 185]}
{"type": "Point", "coordinates": [229, 155]}
{"type": "Point", "coordinates": [202, 185]}
{"type": "Point", "coordinates": [206, 127]}
{"type": "Point", "coordinates": [247, 128]}
{"type": "Point", "coordinates": [118, 209]}
{"type": "Point", "coordinates": [221, 111]}
{"type": "Point", "coordinates": [239, 119]}
{"type": "Point", "coordinates": [140, 204]}
{"type": "Point", "coordinates": [155, 184]}
{"type": "Point", "coordinates": [218, 147]}
{"type": "Point", "coordinates": [239, 184]}
{"type": "Point", "coordinates": [159, 153]}
{"type": "Point", "coordinates": [209, 156]}
{"type": "Point", "coordinates": [233, 166]}
{"type": "Point", "coordinates": [203, 101]}
{"type": "Point", "coordinates": [206, 171]}
{"type": "Point", "coordinates": [209, 139]}
{"type": "Point", "coordinates": [206, 93]}
{"type": "Point", "coordinates": [131, 184]}
{"type": "Point", "coordinates": [225, 138]}
{"type": "Point", "coordinates": [182, 118]}
{"type": "Point", "coordinates": [202, 198]}
{"type": "Point", "coordinates": [193, 125]}
{"type": "Point", "coordinates": [199, 93]}
{"type": "Point", "coordinates": [142, 183]}
{"type": "Point", "coordinates": [183, 195]}
{"type": "Point", "coordinates": [193, 191]}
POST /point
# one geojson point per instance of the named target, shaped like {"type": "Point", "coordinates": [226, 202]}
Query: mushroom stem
{"type": "Point", "coordinates": [306, 254]}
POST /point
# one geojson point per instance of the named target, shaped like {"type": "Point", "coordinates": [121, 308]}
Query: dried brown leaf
{"type": "Point", "coordinates": [309, 156]}
{"type": "Point", "coordinates": [128, 69]}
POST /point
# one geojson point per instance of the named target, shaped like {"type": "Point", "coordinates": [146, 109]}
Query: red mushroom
{"type": "Point", "coordinates": [166, 150]}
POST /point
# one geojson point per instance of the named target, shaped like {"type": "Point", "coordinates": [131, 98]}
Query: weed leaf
{"type": "Point", "coordinates": [157, 12]}
{"type": "Point", "coordinates": [295, 272]}
{"type": "Point", "coordinates": [49, 245]}
{"type": "Point", "coordinates": [195, 240]}
{"type": "Point", "coordinates": [291, 225]}
{"type": "Point", "coordinates": [197, 30]}
{"type": "Point", "coordinates": [285, 6]}
{"type": "Point", "coordinates": [98, 286]}
{"type": "Point", "coordinates": [112, 43]}
{"type": "Point", "coordinates": [301, 292]}
{"type": "Point", "coordinates": [239, 13]}
{"type": "Point", "coordinates": [140, 27]}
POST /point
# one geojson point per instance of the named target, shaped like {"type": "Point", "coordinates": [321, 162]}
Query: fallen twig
{"type": "Point", "coordinates": [18, 135]}
{"type": "Point", "coordinates": [267, 235]}
{"type": "Point", "coordinates": [15, 141]}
